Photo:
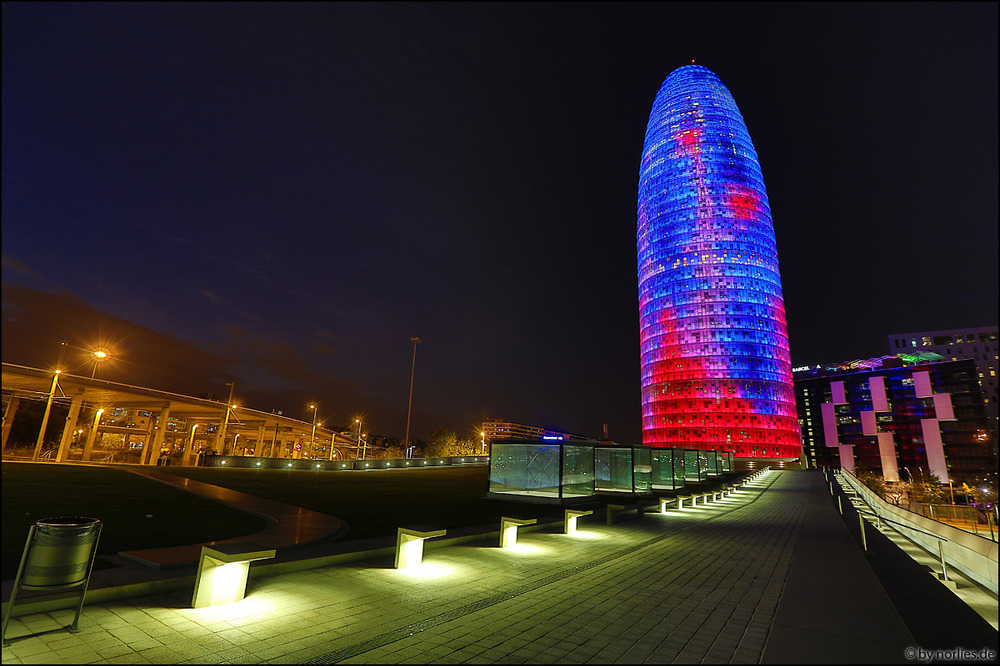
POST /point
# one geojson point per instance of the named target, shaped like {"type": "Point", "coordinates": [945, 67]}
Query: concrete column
{"type": "Point", "coordinates": [69, 427]}
{"type": "Point", "coordinates": [45, 417]}
{"type": "Point", "coordinates": [92, 435]}
{"type": "Point", "coordinates": [189, 446]}
{"type": "Point", "coordinates": [259, 449]}
{"type": "Point", "coordinates": [160, 433]}
{"type": "Point", "coordinates": [8, 419]}
{"type": "Point", "coordinates": [275, 451]}
{"type": "Point", "coordinates": [147, 457]}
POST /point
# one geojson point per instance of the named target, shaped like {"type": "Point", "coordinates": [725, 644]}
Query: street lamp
{"type": "Point", "coordinates": [951, 490]}
{"type": "Point", "coordinates": [333, 440]}
{"type": "Point", "coordinates": [482, 433]}
{"type": "Point", "coordinates": [225, 422]}
{"type": "Point", "coordinates": [99, 355]}
{"type": "Point", "coordinates": [413, 366]}
{"type": "Point", "coordinates": [312, 436]}
{"type": "Point", "coordinates": [364, 449]}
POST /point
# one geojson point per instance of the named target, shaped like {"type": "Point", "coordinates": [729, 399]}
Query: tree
{"type": "Point", "coordinates": [926, 488]}
{"type": "Point", "coordinates": [446, 443]}
{"type": "Point", "coordinates": [874, 482]}
{"type": "Point", "coordinates": [443, 441]}
{"type": "Point", "coordinates": [391, 453]}
{"type": "Point", "coordinates": [896, 492]}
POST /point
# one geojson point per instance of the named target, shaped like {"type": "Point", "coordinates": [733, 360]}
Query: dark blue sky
{"type": "Point", "coordinates": [282, 195]}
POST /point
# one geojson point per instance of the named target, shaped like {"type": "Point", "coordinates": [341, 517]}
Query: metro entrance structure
{"type": "Point", "coordinates": [153, 421]}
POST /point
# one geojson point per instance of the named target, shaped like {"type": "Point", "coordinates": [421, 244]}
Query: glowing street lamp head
{"type": "Point", "coordinates": [100, 354]}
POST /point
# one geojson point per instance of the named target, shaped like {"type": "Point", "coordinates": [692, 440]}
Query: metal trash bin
{"type": "Point", "coordinates": [58, 554]}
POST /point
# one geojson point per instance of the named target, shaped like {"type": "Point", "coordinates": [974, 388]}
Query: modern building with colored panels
{"type": "Point", "coordinates": [715, 365]}
{"type": "Point", "coordinates": [979, 344]}
{"type": "Point", "coordinates": [897, 415]}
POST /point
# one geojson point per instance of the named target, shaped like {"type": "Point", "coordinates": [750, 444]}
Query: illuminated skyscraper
{"type": "Point", "coordinates": [716, 371]}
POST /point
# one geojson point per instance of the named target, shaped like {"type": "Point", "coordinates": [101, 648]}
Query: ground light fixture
{"type": "Point", "coordinates": [508, 529]}
{"type": "Point", "coordinates": [571, 517]}
{"type": "Point", "coordinates": [410, 545]}
{"type": "Point", "coordinates": [223, 570]}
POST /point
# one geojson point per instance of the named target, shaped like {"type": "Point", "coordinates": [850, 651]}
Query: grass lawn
{"type": "Point", "coordinates": [376, 502]}
{"type": "Point", "coordinates": [120, 499]}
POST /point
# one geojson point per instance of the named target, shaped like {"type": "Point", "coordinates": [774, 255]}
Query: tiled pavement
{"type": "Point", "coordinates": [769, 575]}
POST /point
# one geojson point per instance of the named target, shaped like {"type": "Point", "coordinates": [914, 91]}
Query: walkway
{"type": "Point", "coordinates": [770, 575]}
{"type": "Point", "coordinates": [289, 526]}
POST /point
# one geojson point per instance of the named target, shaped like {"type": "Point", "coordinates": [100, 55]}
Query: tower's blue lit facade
{"type": "Point", "coordinates": [716, 370]}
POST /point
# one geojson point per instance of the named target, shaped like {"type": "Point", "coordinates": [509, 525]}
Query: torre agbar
{"type": "Point", "coordinates": [716, 370]}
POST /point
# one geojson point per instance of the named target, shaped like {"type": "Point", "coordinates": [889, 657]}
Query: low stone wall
{"type": "Point", "coordinates": [251, 462]}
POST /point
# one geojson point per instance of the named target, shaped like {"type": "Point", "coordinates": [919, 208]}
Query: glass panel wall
{"type": "Point", "coordinates": [703, 464]}
{"type": "Point", "coordinates": [712, 463]}
{"type": "Point", "coordinates": [578, 471]}
{"type": "Point", "coordinates": [641, 470]}
{"type": "Point", "coordinates": [613, 469]}
{"type": "Point", "coordinates": [525, 469]}
{"type": "Point", "coordinates": [727, 461]}
{"type": "Point", "coordinates": [692, 467]}
{"type": "Point", "coordinates": [667, 471]}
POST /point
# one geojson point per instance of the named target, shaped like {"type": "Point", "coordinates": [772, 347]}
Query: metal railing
{"type": "Point", "coordinates": [973, 555]}
{"type": "Point", "coordinates": [968, 518]}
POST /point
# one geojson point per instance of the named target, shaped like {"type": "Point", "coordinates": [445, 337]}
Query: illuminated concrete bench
{"type": "Point", "coordinates": [223, 570]}
{"type": "Point", "coordinates": [663, 503]}
{"type": "Point", "coordinates": [508, 529]}
{"type": "Point", "coordinates": [681, 498]}
{"type": "Point", "coordinates": [569, 521]}
{"type": "Point", "coordinates": [410, 544]}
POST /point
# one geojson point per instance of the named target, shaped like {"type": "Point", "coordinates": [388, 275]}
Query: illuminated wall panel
{"type": "Point", "coordinates": [716, 371]}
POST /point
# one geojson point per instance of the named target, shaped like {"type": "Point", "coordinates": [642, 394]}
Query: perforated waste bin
{"type": "Point", "coordinates": [58, 554]}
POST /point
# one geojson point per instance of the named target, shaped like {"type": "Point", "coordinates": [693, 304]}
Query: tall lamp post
{"type": "Point", "coordinates": [413, 366]}
{"type": "Point", "coordinates": [364, 450]}
{"type": "Point", "coordinates": [48, 404]}
{"type": "Point", "coordinates": [225, 421]}
{"type": "Point", "coordinates": [333, 440]}
{"type": "Point", "coordinates": [312, 436]}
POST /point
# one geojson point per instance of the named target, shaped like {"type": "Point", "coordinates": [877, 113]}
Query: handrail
{"type": "Point", "coordinates": [892, 522]}
{"type": "Point", "coordinates": [973, 555]}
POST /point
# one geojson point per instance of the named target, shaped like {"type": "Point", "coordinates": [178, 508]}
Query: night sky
{"type": "Point", "coordinates": [283, 195]}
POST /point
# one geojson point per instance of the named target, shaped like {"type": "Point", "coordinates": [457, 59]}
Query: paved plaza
{"type": "Point", "coordinates": [770, 574]}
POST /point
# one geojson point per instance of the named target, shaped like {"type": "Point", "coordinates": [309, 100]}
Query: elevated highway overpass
{"type": "Point", "coordinates": [137, 423]}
